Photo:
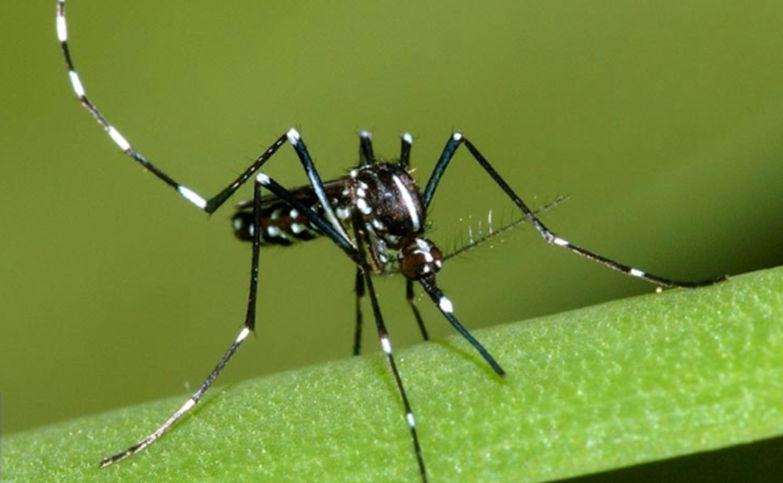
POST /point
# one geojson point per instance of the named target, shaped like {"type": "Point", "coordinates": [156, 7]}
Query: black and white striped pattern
{"type": "Point", "coordinates": [549, 236]}
{"type": "Point", "coordinates": [114, 134]}
{"type": "Point", "coordinates": [189, 404]}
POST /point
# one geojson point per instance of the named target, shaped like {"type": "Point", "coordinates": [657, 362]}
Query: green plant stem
{"type": "Point", "coordinates": [609, 386]}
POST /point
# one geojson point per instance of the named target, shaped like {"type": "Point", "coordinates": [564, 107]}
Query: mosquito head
{"type": "Point", "coordinates": [420, 259]}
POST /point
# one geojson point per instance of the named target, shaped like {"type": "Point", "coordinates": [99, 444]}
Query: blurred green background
{"type": "Point", "coordinates": [662, 120]}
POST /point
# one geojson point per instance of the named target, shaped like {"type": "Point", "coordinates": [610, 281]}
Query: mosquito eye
{"type": "Point", "coordinates": [411, 265]}
{"type": "Point", "coordinates": [419, 259]}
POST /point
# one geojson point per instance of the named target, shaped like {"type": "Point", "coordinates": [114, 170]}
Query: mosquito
{"type": "Point", "coordinates": [377, 216]}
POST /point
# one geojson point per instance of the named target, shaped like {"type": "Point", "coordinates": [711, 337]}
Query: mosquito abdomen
{"type": "Point", "coordinates": [280, 225]}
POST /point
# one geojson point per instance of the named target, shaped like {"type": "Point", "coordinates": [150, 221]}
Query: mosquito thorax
{"type": "Point", "coordinates": [388, 203]}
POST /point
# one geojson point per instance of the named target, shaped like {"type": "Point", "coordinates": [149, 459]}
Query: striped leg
{"type": "Point", "coordinates": [359, 255]}
{"type": "Point", "coordinates": [189, 404]}
{"type": "Point", "coordinates": [208, 205]}
{"type": "Point", "coordinates": [329, 226]}
{"type": "Point", "coordinates": [409, 296]}
{"type": "Point", "coordinates": [447, 309]}
{"type": "Point", "coordinates": [383, 335]}
{"type": "Point", "coordinates": [448, 152]}
{"type": "Point", "coordinates": [262, 181]}
{"type": "Point", "coordinates": [248, 327]}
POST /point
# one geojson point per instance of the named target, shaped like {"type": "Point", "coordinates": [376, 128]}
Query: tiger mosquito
{"type": "Point", "coordinates": [376, 215]}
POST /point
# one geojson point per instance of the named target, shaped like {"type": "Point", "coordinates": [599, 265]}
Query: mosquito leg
{"type": "Point", "coordinates": [359, 290]}
{"type": "Point", "coordinates": [383, 335]}
{"type": "Point", "coordinates": [248, 327]}
{"type": "Point", "coordinates": [182, 410]}
{"type": "Point", "coordinates": [447, 309]}
{"type": "Point", "coordinates": [320, 222]}
{"type": "Point", "coordinates": [409, 296]}
{"type": "Point", "coordinates": [209, 205]}
{"type": "Point", "coordinates": [448, 152]}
